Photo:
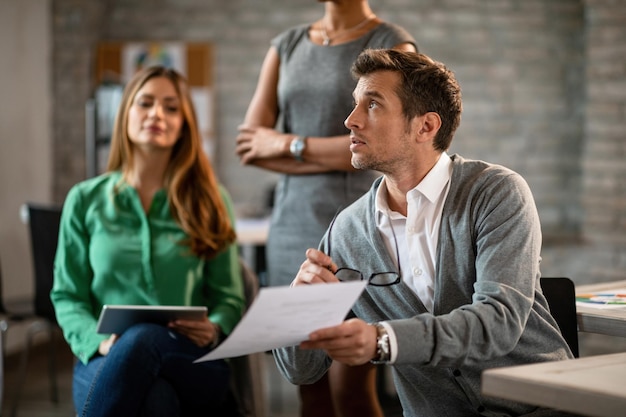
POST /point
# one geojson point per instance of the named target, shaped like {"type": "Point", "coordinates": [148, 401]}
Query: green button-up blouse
{"type": "Point", "coordinates": [111, 251]}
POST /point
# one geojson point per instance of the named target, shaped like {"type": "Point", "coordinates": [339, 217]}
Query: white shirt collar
{"type": "Point", "coordinates": [431, 186]}
{"type": "Point", "coordinates": [434, 183]}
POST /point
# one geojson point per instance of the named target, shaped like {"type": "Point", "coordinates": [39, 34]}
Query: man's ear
{"type": "Point", "coordinates": [427, 126]}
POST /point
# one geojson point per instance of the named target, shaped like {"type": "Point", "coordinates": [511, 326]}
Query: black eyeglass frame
{"type": "Point", "coordinates": [372, 278]}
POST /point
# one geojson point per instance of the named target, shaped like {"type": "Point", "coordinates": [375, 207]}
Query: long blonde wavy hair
{"type": "Point", "coordinates": [191, 185]}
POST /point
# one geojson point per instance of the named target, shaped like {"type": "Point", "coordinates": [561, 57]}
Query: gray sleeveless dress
{"type": "Point", "coordinates": [315, 97]}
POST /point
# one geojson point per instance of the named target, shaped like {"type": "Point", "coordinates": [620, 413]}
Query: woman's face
{"type": "Point", "coordinates": [155, 116]}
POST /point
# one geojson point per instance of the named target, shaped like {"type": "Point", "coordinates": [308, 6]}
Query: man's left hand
{"type": "Point", "coordinates": [353, 342]}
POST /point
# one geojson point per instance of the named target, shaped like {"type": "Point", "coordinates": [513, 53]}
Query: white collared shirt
{"type": "Point", "coordinates": [417, 234]}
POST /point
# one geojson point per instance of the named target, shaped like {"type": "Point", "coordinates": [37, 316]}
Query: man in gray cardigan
{"type": "Point", "coordinates": [450, 246]}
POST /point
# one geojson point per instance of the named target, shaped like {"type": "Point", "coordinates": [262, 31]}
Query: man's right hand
{"type": "Point", "coordinates": [316, 269]}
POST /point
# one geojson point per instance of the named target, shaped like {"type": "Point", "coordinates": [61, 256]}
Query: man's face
{"type": "Point", "coordinates": [379, 132]}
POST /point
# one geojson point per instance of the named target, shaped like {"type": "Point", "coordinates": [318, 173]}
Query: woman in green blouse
{"type": "Point", "coordinates": [155, 229]}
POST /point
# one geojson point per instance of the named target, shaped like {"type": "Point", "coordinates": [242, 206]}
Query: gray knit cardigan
{"type": "Point", "coordinates": [488, 307]}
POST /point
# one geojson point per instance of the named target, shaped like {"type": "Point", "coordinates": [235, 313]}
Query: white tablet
{"type": "Point", "coordinates": [117, 318]}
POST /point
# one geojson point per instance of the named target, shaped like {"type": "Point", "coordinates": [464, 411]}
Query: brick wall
{"type": "Point", "coordinates": [604, 158]}
{"type": "Point", "coordinates": [543, 84]}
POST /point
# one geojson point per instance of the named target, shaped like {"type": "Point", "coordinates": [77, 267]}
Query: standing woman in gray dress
{"type": "Point", "coordinates": [294, 126]}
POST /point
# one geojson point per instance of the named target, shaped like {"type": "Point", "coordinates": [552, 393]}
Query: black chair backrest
{"type": "Point", "coordinates": [561, 296]}
{"type": "Point", "coordinates": [43, 222]}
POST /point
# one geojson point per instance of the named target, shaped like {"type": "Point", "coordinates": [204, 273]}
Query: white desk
{"type": "Point", "coordinates": [252, 231]}
{"type": "Point", "coordinates": [251, 237]}
{"type": "Point", "coordinates": [592, 386]}
{"type": "Point", "coordinates": [610, 321]}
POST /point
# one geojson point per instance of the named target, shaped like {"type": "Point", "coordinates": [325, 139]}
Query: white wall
{"type": "Point", "coordinates": [25, 133]}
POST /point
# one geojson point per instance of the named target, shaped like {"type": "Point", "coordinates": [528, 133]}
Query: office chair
{"type": "Point", "coordinates": [12, 313]}
{"type": "Point", "coordinates": [561, 296]}
{"type": "Point", "coordinates": [247, 381]}
{"type": "Point", "coordinates": [43, 225]}
{"type": "Point", "coordinates": [15, 311]}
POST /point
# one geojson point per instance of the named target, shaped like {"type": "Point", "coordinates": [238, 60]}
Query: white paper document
{"type": "Point", "coordinates": [284, 316]}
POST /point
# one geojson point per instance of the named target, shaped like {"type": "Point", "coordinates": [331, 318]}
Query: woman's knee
{"type": "Point", "coordinates": [143, 338]}
{"type": "Point", "coordinates": [143, 332]}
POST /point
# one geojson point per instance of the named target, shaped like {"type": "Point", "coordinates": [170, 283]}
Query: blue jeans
{"type": "Point", "coordinates": [150, 371]}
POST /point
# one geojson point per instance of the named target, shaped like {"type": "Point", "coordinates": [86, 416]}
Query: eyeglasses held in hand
{"type": "Point", "coordinates": [378, 279]}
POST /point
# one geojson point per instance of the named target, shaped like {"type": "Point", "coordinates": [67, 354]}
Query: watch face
{"type": "Point", "coordinates": [297, 147]}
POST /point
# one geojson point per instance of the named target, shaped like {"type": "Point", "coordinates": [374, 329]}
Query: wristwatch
{"type": "Point", "coordinates": [297, 147]}
{"type": "Point", "coordinates": [383, 349]}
